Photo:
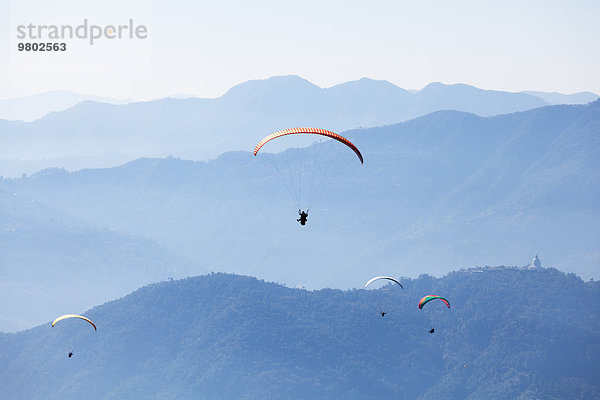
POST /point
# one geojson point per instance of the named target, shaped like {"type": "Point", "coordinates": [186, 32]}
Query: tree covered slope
{"type": "Point", "coordinates": [510, 333]}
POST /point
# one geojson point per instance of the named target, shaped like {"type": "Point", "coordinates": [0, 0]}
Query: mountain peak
{"type": "Point", "coordinates": [292, 84]}
{"type": "Point", "coordinates": [367, 85]}
{"type": "Point", "coordinates": [437, 86]}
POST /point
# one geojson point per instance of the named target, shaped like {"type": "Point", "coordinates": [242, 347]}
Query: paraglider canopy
{"type": "Point", "coordinates": [382, 277]}
{"type": "Point", "coordinates": [429, 297]}
{"type": "Point", "coordinates": [73, 316]}
{"type": "Point", "coordinates": [310, 131]}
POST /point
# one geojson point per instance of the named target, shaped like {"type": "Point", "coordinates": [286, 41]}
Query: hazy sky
{"type": "Point", "coordinates": [203, 48]}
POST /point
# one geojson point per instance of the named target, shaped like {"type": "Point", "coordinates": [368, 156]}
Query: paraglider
{"type": "Point", "coordinates": [307, 168]}
{"type": "Point", "coordinates": [62, 317]}
{"type": "Point", "coordinates": [384, 278]}
{"type": "Point", "coordinates": [67, 316]}
{"type": "Point", "coordinates": [429, 297]}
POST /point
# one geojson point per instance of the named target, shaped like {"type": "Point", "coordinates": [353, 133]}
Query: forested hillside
{"type": "Point", "coordinates": [509, 334]}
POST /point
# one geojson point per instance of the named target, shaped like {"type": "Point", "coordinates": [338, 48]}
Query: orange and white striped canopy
{"type": "Point", "coordinates": [309, 131]}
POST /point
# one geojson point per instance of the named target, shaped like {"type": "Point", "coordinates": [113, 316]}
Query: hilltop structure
{"type": "Point", "coordinates": [535, 263]}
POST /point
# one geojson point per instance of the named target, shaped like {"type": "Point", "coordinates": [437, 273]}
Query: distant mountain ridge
{"type": "Point", "coordinates": [36, 106]}
{"type": "Point", "coordinates": [559, 98]}
{"type": "Point", "coordinates": [509, 334]}
{"type": "Point", "coordinates": [198, 129]}
{"type": "Point", "coordinates": [51, 260]}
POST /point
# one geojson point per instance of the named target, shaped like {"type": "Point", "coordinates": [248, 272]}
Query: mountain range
{"type": "Point", "coordinates": [437, 193]}
{"type": "Point", "coordinates": [510, 333]}
{"type": "Point", "coordinates": [97, 134]}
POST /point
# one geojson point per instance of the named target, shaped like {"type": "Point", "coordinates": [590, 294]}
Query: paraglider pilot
{"type": "Point", "coordinates": [303, 216]}
{"type": "Point", "coordinates": [431, 330]}
{"type": "Point", "coordinates": [70, 354]}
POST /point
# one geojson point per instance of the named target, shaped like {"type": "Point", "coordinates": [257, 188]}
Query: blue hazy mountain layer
{"type": "Point", "coordinates": [509, 334]}
{"type": "Point", "coordinates": [36, 106]}
{"type": "Point", "coordinates": [51, 262]}
{"type": "Point", "coordinates": [444, 191]}
{"type": "Point", "coordinates": [559, 98]}
{"type": "Point", "coordinates": [200, 128]}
